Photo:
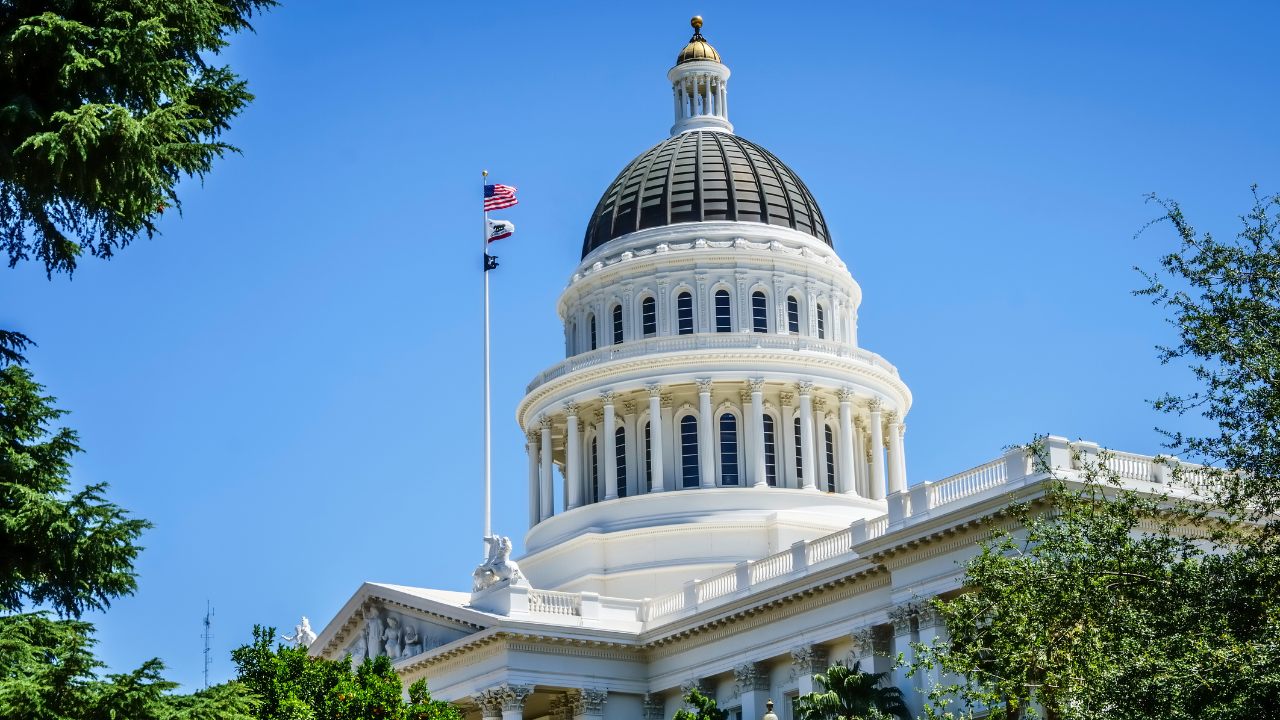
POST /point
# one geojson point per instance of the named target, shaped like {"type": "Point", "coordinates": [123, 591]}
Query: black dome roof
{"type": "Point", "coordinates": [686, 178]}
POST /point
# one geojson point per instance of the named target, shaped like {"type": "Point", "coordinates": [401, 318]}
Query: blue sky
{"type": "Point", "coordinates": [287, 380]}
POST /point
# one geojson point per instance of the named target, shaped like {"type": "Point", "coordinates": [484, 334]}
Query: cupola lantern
{"type": "Point", "coordinates": [699, 86]}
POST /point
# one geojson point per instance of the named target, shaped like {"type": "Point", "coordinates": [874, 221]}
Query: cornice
{"type": "Point", "coordinates": [790, 361]}
{"type": "Point", "coordinates": [353, 619]}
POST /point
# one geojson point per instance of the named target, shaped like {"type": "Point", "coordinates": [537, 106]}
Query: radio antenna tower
{"type": "Point", "coordinates": [208, 635]}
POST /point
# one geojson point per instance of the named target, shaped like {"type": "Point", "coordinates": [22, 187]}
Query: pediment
{"type": "Point", "coordinates": [397, 622]}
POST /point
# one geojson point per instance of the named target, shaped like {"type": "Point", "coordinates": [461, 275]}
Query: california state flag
{"type": "Point", "coordinates": [499, 229]}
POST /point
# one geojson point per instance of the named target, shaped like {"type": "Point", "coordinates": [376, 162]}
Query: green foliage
{"type": "Point", "coordinates": [1224, 300]}
{"type": "Point", "coordinates": [292, 685]}
{"type": "Point", "coordinates": [1104, 603]}
{"type": "Point", "coordinates": [850, 694]}
{"type": "Point", "coordinates": [104, 106]}
{"type": "Point", "coordinates": [72, 551]}
{"type": "Point", "coordinates": [48, 672]}
{"type": "Point", "coordinates": [704, 708]}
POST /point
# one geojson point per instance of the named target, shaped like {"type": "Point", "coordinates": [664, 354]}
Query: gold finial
{"type": "Point", "coordinates": [696, 22]}
{"type": "Point", "coordinates": [485, 173]}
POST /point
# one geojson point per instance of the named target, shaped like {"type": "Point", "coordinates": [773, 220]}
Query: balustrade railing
{"type": "Point", "coordinates": [970, 482]}
{"type": "Point", "coordinates": [1130, 466]}
{"type": "Point", "coordinates": [555, 603]}
{"type": "Point", "coordinates": [663, 605]}
{"type": "Point", "coordinates": [770, 567]}
{"type": "Point", "coordinates": [718, 586]}
{"type": "Point", "coordinates": [829, 546]}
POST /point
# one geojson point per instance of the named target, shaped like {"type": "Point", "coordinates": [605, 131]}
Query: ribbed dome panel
{"type": "Point", "coordinates": [704, 176]}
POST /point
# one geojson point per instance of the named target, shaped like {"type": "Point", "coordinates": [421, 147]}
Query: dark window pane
{"type": "Point", "coordinates": [617, 324]}
{"type": "Point", "coordinates": [723, 323]}
{"type": "Point", "coordinates": [799, 452]}
{"type": "Point", "coordinates": [728, 450]}
{"type": "Point", "coordinates": [689, 450]}
{"type": "Point", "coordinates": [684, 312]}
{"type": "Point", "coordinates": [649, 316]}
{"type": "Point", "coordinates": [620, 456]}
{"type": "Point", "coordinates": [592, 321]}
{"type": "Point", "coordinates": [770, 453]}
{"type": "Point", "coordinates": [831, 460]}
{"type": "Point", "coordinates": [793, 315]}
{"type": "Point", "coordinates": [595, 471]}
{"type": "Point", "coordinates": [822, 328]}
{"type": "Point", "coordinates": [648, 457]}
{"type": "Point", "coordinates": [759, 313]}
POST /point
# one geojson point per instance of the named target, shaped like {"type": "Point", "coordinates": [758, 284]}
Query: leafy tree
{"type": "Point", "coordinates": [1224, 298]}
{"type": "Point", "coordinates": [850, 694]}
{"type": "Point", "coordinates": [104, 106]}
{"type": "Point", "coordinates": [704, 708]}
{"type": "Point", "coordinates": [1100, 602]}
{"type": "Point", "coordinates": [72, 552]}
{"type": "Point", "coordinates": [292, 684]}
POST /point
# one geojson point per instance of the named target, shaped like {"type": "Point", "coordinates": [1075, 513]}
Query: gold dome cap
{"type": "Point", "coordinates": [697, 49]}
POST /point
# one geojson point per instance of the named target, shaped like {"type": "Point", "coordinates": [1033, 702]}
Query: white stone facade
{"type": "Point", "coordinates": [735, 513]}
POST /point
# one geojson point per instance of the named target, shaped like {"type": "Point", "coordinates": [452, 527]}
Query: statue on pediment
{"type": "Point", "coordinates": [498, 567]}
{"type": "Point", "coordinates": [302, 634]}
{"type": "Point", "coordinates": [391, 636]}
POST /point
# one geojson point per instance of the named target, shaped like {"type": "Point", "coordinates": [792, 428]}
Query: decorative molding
{"type": "Point", "coordinates": [804, 387]}
{"type": "Point", "coordinates": [757, 385]}
{"type": "Point", "coordinates": [846, 394]}
{"type": "Point", "coordinates": [748, 677]}
{"type": "Point", "coordinates": [807, 660]}
{"type": "Point", "coordinates": [665, 401]}
{"type": "Point", "coordinates": [571, 408]}
{"type": "Point", "coordinates": [704, 385]}
{"type": "Point", "coordinates": [786, 399]}
{"type": "Point", "coordinates": [871, 640]}
{"type": "Point", "coordinates": [629, 408]}
{"type": "Point", "coordinates": [891, 416]}
{"type": "Point", "coordinates": [655, 390]}
{"type": "Point", "coordinates": [819, 404]}
{"type": "Point", "coordinates": [874, 405]}
{"type": "Point", "coordinates": [606, 397]}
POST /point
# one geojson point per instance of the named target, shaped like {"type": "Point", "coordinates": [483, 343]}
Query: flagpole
{"type": "Point", "coordinates": [484, 241]}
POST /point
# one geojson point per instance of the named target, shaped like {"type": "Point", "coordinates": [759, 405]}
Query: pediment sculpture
{"type": "Point", "coordinates": [498, 566]}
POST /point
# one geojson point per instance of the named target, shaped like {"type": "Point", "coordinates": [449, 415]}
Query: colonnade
{"type": "Point", "coordinates": [699, 94]}
{"type": "Point", "coordinates": [789, 439]}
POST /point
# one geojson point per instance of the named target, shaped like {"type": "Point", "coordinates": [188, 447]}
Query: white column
{"type": "Point", "coordinates": [535, 505]}
{"type": "Point", "coordinates": [757, 435]}
{"type": "Point", "coordinates": [877, 453]}
{"type": "Point", "coordinates": [724, 98]}
{"type": "Point", "coordinates": [607, 450]}
{"type": "Point", "coordinates": [785, 437]}
{"type": "Point", "coordinates": [806, 437]}
{"type": "Point", "coordinates": [820, 441]}
{"type": "Point", "coordinates": [635, 451]}
{"type": "Point", "coordinates": [546, 490]}
{"type": "Point", "coordinates": [572, 459]}
{"type": "Point", "coordinates": [897, 478]}
{"type": "Point", "coordinates": [655, 438]}
{"type": "Point", "coordinates": [706, 453]}
{"type": "Point", "coordinates": [859, 459]}
{"type": "Point", "coordinates": [670, 445]}
{"type": "Point", "coordinates": [849, 457]}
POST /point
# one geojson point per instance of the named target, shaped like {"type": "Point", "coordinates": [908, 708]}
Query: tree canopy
{"type": "Point", "coordinates": [292, 684]}
{"type": "Point", "coordinates": [104, 106]}
{"type": "Point", "coordinates": [1098, 601]}
{"type": "Point", "coordinates": [847, 693]}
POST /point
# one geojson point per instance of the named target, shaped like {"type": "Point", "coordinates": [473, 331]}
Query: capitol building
{"type": "Point", "coordinates": [736, 514]}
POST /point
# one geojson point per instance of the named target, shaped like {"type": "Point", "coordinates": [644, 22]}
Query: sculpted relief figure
{"type": "Point", "coordinates": [498, 567]}
{"type": "Point", "coordinates": [412, 642]}
{"type": "Point", "coordinates": [392, 637]}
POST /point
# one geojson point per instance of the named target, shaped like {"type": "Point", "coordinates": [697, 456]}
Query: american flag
{"type": "Point", "coordinates": [497, 197]}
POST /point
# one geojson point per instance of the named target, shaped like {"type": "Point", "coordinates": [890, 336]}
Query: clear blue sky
{"type": "Point", "coordinates": [287, 381]}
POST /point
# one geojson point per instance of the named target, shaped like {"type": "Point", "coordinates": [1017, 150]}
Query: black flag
{"type": "Point", "coordinates": [490, 262]}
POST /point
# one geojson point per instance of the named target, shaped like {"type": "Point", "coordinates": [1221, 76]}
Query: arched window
{"type": "Point", "coordinates": [684, 312]}
{"type": "Point", "coordinates": [831, 459]}
{"type": "Point", "coordinates": [689, 450]}
{"type": "Point", "coordinates": [759, 313]}
{"type": "Point", "coordinates": [591, 320]}
{"type": "Point", "coordinates": [770, 453]}
{"type": "Point", "coordinates": [595, 471]}
{"type": "Point", "coordinates": [728, 449]}
{"type": "Point", "coordinates": [723, 322]}
{"type": "Point", "coordinates": [617, 324]}
{"type": "Point", "coordinates": [822, 325]}
{"type": "Point", "coordinates": [799, 453]}
{"type": "Point", "coordinates": [793, 315]}
{"type": "Point", "coordinates": [620, 458]}
{"type": "Point", "coordinates": [649, 316]}
{"type": "Point", "coordinates": [648, 457]}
